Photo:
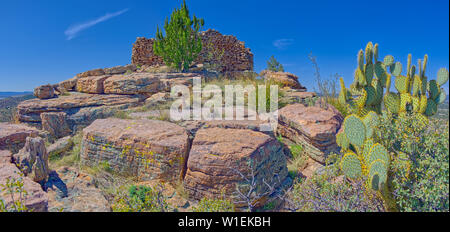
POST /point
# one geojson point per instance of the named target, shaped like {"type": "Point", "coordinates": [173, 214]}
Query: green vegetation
{"type": "Point", "coordinates": [140, 199]}
{"type": "Point", "coordinates": [182, 43]}
{"type": "Point", "coordinates": [214, 205]}
{"type": "Point", "coordinates": [8, 107]}
{"type": "Point", "coordinates": [274, 65]}
{"type": "Point", "coordinates": [14, 189]}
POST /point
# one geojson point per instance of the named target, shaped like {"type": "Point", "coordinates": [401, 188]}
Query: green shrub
{"type": "Point", "coordinates": [140, 199]}
{"type": "Point", "coordinates": [421, 165]}
{"type": "Point", "coordinates": [14, 189]}
{"type": "Point", "coordinates": [214, 205]}
{"type": "Point", "coordinates": [274, 65]}
{"type": "Point", "coordinates": [182, 43]}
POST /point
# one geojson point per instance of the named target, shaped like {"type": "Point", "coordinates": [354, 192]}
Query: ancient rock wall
{"type": "Point", "coordinates": [227, 51]}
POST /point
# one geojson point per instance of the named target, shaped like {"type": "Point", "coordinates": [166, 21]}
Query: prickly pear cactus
{"type": "Point", "coordinates": [361, 151]}
{"type": "Point", "coordinates": [367, 92]}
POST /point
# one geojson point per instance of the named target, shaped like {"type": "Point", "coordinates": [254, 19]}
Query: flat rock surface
{"type": "Point", "coordinates": [147, 149]}
{"type": "Point", "coordinates": [219, 156]}
{"type": "Point", "coordinates": [313, 127]}
{"type": "Point", "coordinates": [72, 191]}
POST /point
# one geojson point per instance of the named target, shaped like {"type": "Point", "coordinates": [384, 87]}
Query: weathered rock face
{"type": "Point", "coordinates": [143, 148]}
{"type": "Point", "coordinates": [36, 199]}
{"type": "Point", "coordinates": [13, 136]}
{"type": "Point", "coordinates": [60, 146]}
{"type": "Point", "coordinates": [72, 191]}
{"type": "Point", "coordinates": [81, 108]}
{"type": "Point", "coordinates": [286, 79]}
{"type": "Point", "coordinates": [91, 84]}
{"type": "Point", "coordinates": [33, 160]}
{"type": "Point", "coordinates": [5, 156]}
{"type": "Point", "coordinates": [235, 57]}
{"type": "Point", "coordinates": [68, 85]}
{"type": "Point", "coordinates": [44, 92]}
{"type": "Point", "coordinates": [120, 69]}
{"type": "Point", "coordinates": [313, 127]}
{"type": "Point", "coordinates": [95, 72]}
{"type": "Point", "coordinates": [137, 83]}
{"type": "Point", "coordinates": [219, 156]}
{"type": "Point", "coordinates": [56, 124]}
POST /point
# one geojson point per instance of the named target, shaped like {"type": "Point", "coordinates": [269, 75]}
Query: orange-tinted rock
{"type": "Point", "coordinates": [91, 84]}
{"type": "Point", "coordinates": [136, 83]}
{"type": "Point", "coordinates": [33, 160]}
{"type": "Point", "coordinates": [13, 136]}
{"type": "Point", "coordinates": [35, 200]}
{"type": "Point", "coordinates": [56, 124]}
{"type": "Point", "coordinates": [95, 72]}
{"type": "Point", "coordinates": [142, 148]}
{"type": "Point", "coordinates": [313, 127]}
{"type": "Point", "coordinates": [5, 156]}
{"type": "Point", "coordinates": [44, 92]}
{"type": "Point", "coordinates": [284, 78]}
{"type": "Point", "coordinates": [219, 156]}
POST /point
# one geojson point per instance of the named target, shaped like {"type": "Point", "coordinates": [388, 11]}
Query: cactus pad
{"type": "Point", "coordinates": [433, 89]}
{"type": "Point", "coordinates": [377, 175]}
{"type": "Point", "coordinates": [371, 121]}
{"type": "Point", "coordinates": [441, 98]}
{"type": "Point", "coordinates": [442, 76]}
{"type": "Point", "coordinates": [378, 152]}
{"type": "Point", "coordinates": [431, 108]}
{"type": "Point", "coordinates": [355, 130]}
{"type": "Point", "coordinates": [342, 141]}
{"type": "Point", "coordinates": [351, 165]}
{"type": "Point", "coordinates": [380, 73]}
{"type": "Point", "coordinates": [402, 84]}
{"type": "Point", "coordinates": [388, 60]}
{"type": "Point", "coordinates": [396, 69]}
{"type": "Point", "coordinates": [392, 102]}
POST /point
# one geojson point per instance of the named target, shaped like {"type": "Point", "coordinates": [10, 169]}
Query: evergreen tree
{"type": "Point", "coordinates": [274, 65]}
{"type": "Point", "coordinates": [182, 43]}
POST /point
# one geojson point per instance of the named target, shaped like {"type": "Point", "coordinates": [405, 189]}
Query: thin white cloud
{"type": "Point", "coordinates": [282, 43]}
{"type": "Point", "coordinates": [73, 31]}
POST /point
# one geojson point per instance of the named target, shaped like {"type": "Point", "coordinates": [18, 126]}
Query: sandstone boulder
{"type": "Point", "coordinates": [137, 83]}
{"type": "Point", "coordinates": [146, 149]}
{"type": "Point", "coordinates": [120, 69]}
{"type": "Point", "coordinates": [13, 136]}
{"type": "Point", "coordinates": [95, 72]}
{"type": "Point", "coordinates": [91, 84]}
{"type": "Point", "coordinates": [60, 146]}
{"type": "Point", "coordinates": [5, 156]}
{"type": "Point", "coordinates": [220, 158]}
{"type": "Point", "coordinates": [284, 78]}
{"type": "Point", "coordinates": [33, 160]}
{"type": "Point", "coordinates": [56, 124]}
{"type": "Point", "coordinates": [313, 127]}
{"type": "Point", "coordinates": [81, 108]}
{"type": "Point", "coordinates": [68, 85]}
{"type": "Point", "coordinates": [44, 92]}
{"type": "Point", "coordinates": [35, 200]}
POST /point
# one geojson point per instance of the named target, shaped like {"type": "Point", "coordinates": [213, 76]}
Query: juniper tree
{"type": "Point", "coordinates": [274, 65]}
{"type": "Point", "coordinates": [181, 44]}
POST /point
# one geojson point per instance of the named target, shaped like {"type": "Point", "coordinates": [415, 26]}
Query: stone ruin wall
{"type": "Point", "coordinates": [225, 50]}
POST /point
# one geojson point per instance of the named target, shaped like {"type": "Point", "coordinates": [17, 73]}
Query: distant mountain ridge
{"type": "Point", "coordinates": [10, 94]}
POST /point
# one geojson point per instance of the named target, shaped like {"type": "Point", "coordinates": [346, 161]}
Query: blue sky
{"type": "Point", "coordinates": [49, 41]}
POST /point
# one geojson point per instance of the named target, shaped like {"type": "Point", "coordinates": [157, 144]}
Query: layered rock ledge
{"type": "Point", "coordinates": [146, 149]}
{"type": "Point", "coordinates": [313, 127]}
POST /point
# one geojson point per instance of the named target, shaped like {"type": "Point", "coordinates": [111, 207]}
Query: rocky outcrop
{"type": "Point", "coordinates": [56, 124]}
{"type": "Point", "coordinates": [33, 160]}
{"type": "Point", "coordinates": [120, 69]}
{"type": "Point", "coordinates": [220, 158]}
{"type": "Point", "coordinates": [81, 108]}
{"type": "Point", "coordinates": [44, 92]}
{"type": "Point", "coordinates": [5, 156]}
{"type": "Point", "coordinates": [13, 136]}
{"type": "Point", "coordinates": [60, 146]}
{"type": "Point", "coordinates": [313, 127]}
{"type": "Point", "coordinates": [146, 149]}
{"type": "Point", "coordinates": [284, 78]}
{"type": "Point", "coordinates": [136, 83]}
{"type": "Point", "coordinates": [35, 200]}
{"type": "Point", "coordinates": [72, 191]}
{"type": "Point", "coordinates": [95, 72]}
{"type": "Point", "coordinates": [230, 54]}
{"type": "Point", "coordinates": [91, 84]}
